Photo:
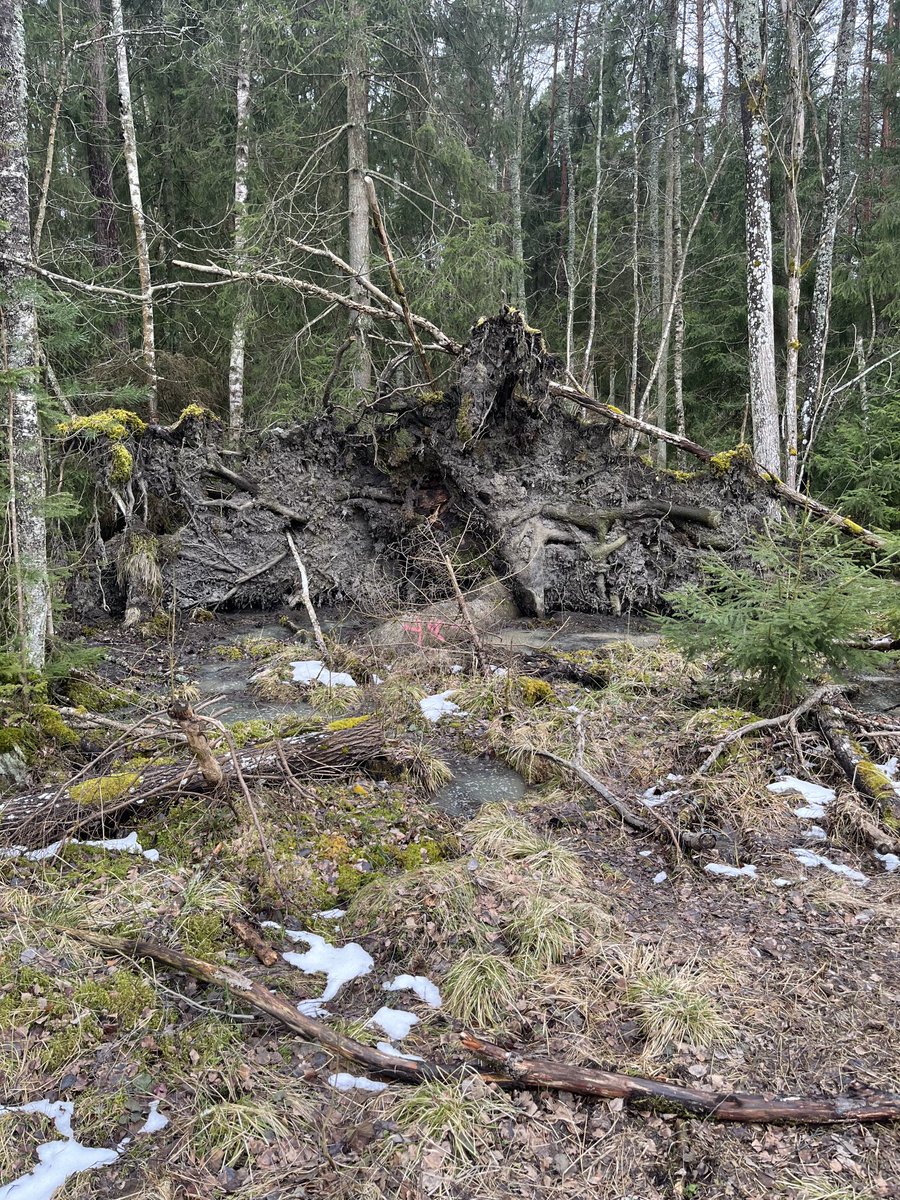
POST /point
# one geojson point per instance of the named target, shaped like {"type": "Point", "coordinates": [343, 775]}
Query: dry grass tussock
{"type": "Point", "coordinates": [460, 1115]}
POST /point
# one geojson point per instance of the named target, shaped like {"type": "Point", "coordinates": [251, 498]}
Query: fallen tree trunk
{"type": "Point", "coordinates": [38, 818]}
{"type": "Point", "coordinates": [863, 774]}
{"type": "Point", "coordinates": [518, 1070]}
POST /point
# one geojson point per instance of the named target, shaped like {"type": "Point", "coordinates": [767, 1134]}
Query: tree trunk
{"type": "Point", "coordinates": [587, 364]}
{"type": "Point", "coordinates": [129, 142]}
{"type": "Point", "coordinates": [635, 249]}
{"type": "Point", "coordinates": [700, 87]}
{"type": "Point", "coordinates": [793, 251]}
{"type": "Point", "coordinates": [726, 64]}
{"type": "Point", "coordinates": [241, 161]}
{"type": "Point", "coordinates": [760, 309]}
{"type": "Point", "coordinates": [821, 303]}
{"type": "Point", "coordinates": [106, 234]}
{"type": "Point", "coordinates": [516, 93]}
{"type": "Point", "coordinates": [357, 169]}
{"type": "Point", "coordinates": [27, 483]}
{"type": "Point", "coordinates": [864, 141]}
{"type": "Point", "coordinates": [672, 152]}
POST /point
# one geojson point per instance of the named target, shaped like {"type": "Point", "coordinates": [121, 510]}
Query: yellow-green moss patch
{"type": "Point", "coordinates": [103, 788]}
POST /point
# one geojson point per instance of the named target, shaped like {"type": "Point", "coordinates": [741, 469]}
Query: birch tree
{"type": "Point", "coordinates": [751, 63]}
{"type": "Point", "coordinates": [357, 170]}
{"type": "Point", "coordinates": [27, 482]}
{"type": "Point", "coordinates": [241, 161]}
{"type": "Point", "coordinates": [129, 145]}
{"type": "Point", "coordinates": [821, 301]}
{"type": "Point", "coordinates": [587, 364]}
{"type": "Point", "coordinates": [793, 253]}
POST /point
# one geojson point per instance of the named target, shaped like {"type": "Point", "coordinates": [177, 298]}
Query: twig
{"type": "Point", "coordinates": [307, 601]}
{"type": "Point", "coordinates": [789, 719]}
{"type": "Point", "coordinates": [253, 941]}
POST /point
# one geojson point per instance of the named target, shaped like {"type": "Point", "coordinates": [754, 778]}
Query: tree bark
{"type": "Point", "coordinates": [672, 150]}
{"type": "Point", "coordinates": [793, 251]}
{"type": "Point", "coordinates": [821, 302]}
{"type": "Point", "coordinates": [129, 142]}
{"type": "Point", "coordinates": [587, 367]}
{"type": "Point", "coordinates": [700, 87]}
{"type": "Point", "coordinates": [18, 335]}
{"type": "Point", "coordinates": [241, 163]}
{"type": "Point", "coordinates": [106, 234]}
{"type": "Point", "coordinates": [516, 91]}
{"type": "Point", "coordinates": [760, 307]}
{"type": "Point", "coordinates": [357, 169]}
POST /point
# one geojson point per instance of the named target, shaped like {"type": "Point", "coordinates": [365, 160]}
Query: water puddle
{"type": "Point", "coordinates": [477, 781]}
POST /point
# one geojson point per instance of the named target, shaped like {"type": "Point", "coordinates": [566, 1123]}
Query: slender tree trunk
{"type": "Point", "coordinates": [635, 248]}
{"type": "Point", "coordinates": [700, 86]}
{"type": "Point", "coordinates": [793, 251]}
{"type": "Point", "coordinates": [241, 162]}
{"type": "Point", "coordinates": [357, 169]}
{"type": "Point", "coordinates": [18, 350]}
{"type": "Point", "coordinates": [672, 151]}
{"type": "Point", "coordinates": [760, 309]}
{"type": "Point", "coordinates": [44, 193]}
{"type": "Point", "coordinates": [587, 364]}
{"type": "Point", "coordinates": [864, 140]}
{"type": "Point", "coordinates": [821, 302]}
{"type": "Point", "coordinates": [516, 90]}
{"type": "Point", "coordinates": [569, 195]}
{"type": "Point", "coordinates": [887, 134]}
{"type": "Point", "coordinates": [129, 142]}
{"type": "Point", "coordinates": [726, 64]}
{"type": "Point", "coordinates": [97, 147]}
{"type": "Point", "coordinates": [551, 132]}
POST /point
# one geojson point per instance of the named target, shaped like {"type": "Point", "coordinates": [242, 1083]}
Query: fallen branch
{"type": "Point", "coordinates": [816, 697]}
{"type": "Point", "coordinates": [519, 1071]}
{"type": "Point", "coordinates": [37, 818]}
{"type": "Point", "coordinates": [863, 774]}
{"type": "Point", "coordinates": [307, 601]}
{"type": "Point", "coordinates": [243, 930]}
{"type": "Point", "coordinates": [717, 1106]}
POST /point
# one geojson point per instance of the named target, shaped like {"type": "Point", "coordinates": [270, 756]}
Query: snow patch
{"type": "Point", "coordinates": [338, 964]}
{"type": "Point", "coordinates": [346, 1083]}
{"type": "Point", "coordinates": [129, 845]}
{"type": "Point", "coordinates": [314, 671]}
{"type": "Point", "coordinates": [747, 870]}
{"type": "Point", "coordinates": [661, 877]}
{"type": "Point", "coordinates": [439, 705]}
{"type": "Point", "coordinates": [393, 1052]}
{"type": "Point", "coordinates": [155, 1119]}
{"type": "Point", "coordinates": [395, 1022]}
{"type": "Point", "coordinates": [816, 796]}
{"type": "Point", "coordinates": [891, 861]}
{"type": "Point", "coordinates": [809, 858]}
{"type": "Point", "coordinates": [331, 914]}
{"type": "Point", "coordinates": [419, 985]}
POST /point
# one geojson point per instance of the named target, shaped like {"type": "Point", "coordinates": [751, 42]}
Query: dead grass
{"type": "Point", "coordinates": [673, 1004]}
{"type": "Point", "coordinates": [481, 988]}
{"type": "Point", "coordinates": [461, 1115]}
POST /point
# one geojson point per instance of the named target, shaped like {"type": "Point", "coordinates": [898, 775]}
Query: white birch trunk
{"type": "Point", "coordinates": [793, 253]}
{"type": "Point", "coordinates": [241, 162]}
{"type": "Point", "coordinates": [357, 169]}
{"type": "Point", "coordinates": [760, 310]}
{"type": "Point", "coordinates": [565, 134]}
{"type": "Point", "coordinates": [587, 364]}
{"type": "Point", "coordinates": [129, 145]}
{"type": "Point", "coordinates": [821, 302]}
{"type": "Point", "coordinates": [27, 482]}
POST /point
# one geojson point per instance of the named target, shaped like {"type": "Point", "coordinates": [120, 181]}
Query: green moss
{"type": "Point", "coordinates": [430, 398]}
{"type": "Point", "coordinates": [347, 723]}
{"type": "Point", "coordinates": [103, 788]}
{"type": "Point", "coordinates": [875, 782]}
{"type": "Point", "coordinates": [464, 430]}
{"type": "Point", "coordinates": [124, 996]}
{"type": "Point", "coordinates": [191, 826]}
{"type": "Point", "coordinates": [206, 1044]}
{"type": "Point", "coordinates": [258, 731]}
{"type": "Point", "coordinates": [195, 412]}
{"type": "Point", "coordinates": [419, 853]}
{"type": "Point", "coordinates": [725, 460]}
{"type": "Point", "coordinates": [121, 463]}
{"type": "Point", "coordinates": [852, 527]}
{"type": "Point", "coordinates": [229, 653]}
{"type": "Point", "coordinates": [113, 423]}
{"type": "Point", "coordinates": [203, 934]}
{"type": "Point", "coordinates": [536, 691]}
{"type": "Point", "coordinates": [51, 724]}
{"type": "Point", "coordinates": [259, 647]}
{"type": "Point", "coordinates": [18, 739]}
{"type": "Point", "coordinates": [99, 698]}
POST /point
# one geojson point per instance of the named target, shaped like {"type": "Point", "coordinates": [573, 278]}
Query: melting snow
{"type": "Point", "coordinates": [816, 796]}
{"type": "Point", "coordinates": [419, 985]}
{"type": "Point", "coordinates": [395, 1022]}
{"type": "Point", "coordinates": [809, 858]}
{"type": "Point", "coordinates": [815, 833]}
{"type": "Point", "coordinates": [314, 671]}
{"type": "Point", "coordinates": [387, 1048]}
{"type": "Point", "coordinates": [891, 861]}
{"type": "Point", "coordinates": [783, 882]}
{"type": "Point", "coordinates": [346, 1083]}
{"type": "Point", "coordinates": [748, 870]}
{"type": "Point", "coordinates": [661, 877]}
{"type": "Point", "coordinates": [339, 964]}
{"type": "Point", "coordinates": [435, 707]}
{"type": "Point", "coordinates": [155, 1119]}
{"type": "Point", "coordinates": [331, 914]}
{"type": "Point", "coordinates": [130, 845]}
{"type": "Point", "coordinates": [891, 768]}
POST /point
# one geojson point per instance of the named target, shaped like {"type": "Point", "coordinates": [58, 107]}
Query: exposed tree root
{"type": "Point", "coordinates": [518, 1070]}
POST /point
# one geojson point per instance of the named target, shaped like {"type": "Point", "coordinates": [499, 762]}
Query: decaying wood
{"type": "Point", "coordinates": [868, 779]}
{"type": "Point", "coordinates": [190, 725]}
{"type": "Point", "coordinates": [518, 1070]}
{"type": "Point", "coordinates": [717, 1106]}
{"type": "Point", "coordinates": [253, 941]}
{"type": "Point", "coordinates": [321, 644]}
{"type": "Point", "coordinates": [37, 818]}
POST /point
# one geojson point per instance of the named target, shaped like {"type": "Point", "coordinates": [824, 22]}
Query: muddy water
{"type": "Point", "coordinates": [477, 780]}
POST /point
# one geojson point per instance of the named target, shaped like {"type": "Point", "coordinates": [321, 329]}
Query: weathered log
{"type": "Point", "coordinates": [253, 941]}
{"type": "Point", "coordinates": [867, 778]}
{"type": "Point", "coordinates": [717, 1106]}
{"type": "Point", "coordinates": [600, 519]}
{"type": "Point", "coordinates": [38, 818]}
{"type": "Point", "coordinates": [518, 1070]}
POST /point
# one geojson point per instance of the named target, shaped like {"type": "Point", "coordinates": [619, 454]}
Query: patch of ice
{"type": "Point", "coordinates": [646, 853]}
{"type": "Point", "coordinates": [661, 877]}
{"type": "Point", "coordinates": [314, 671]}
{"type": "Point", "coordinates": [395, 1022]}
{"type": "Point", "coordinates": [313, 1008]}
{"type": "Point", "coordinates": [891, 861]}
{"type": "Point", "coordinates": [815, 833]}
{"type": "Point", "coordinates": [155, 1119]}
{"type": "Point", "coordinates": [748, 870]}
{"type": "Point", "coordinates": [815, 795]}
{"type": "Point", "coordinates": [331, 914]}
{"type": "Point", "coordinates": [346, 1083]}
{"type": "Point", "coordinates": [809, 858]}
{"type": "Point", "coordinates": [338, 964]}
{"type": "Point", "coordinates": [393, 1052]}
{"type": "Point", "coordinates": [435, 707]}
{"type": "Point", "coordinates": [783, 882]}
{"type": "Point", "coordinates": [57, 1161]}
{"type": "Point", "coordinates": [419, 985]}
{"type": "Point", "coordinates": [891, 768]}
{"type": "Point", "coordinates": [129, 845]}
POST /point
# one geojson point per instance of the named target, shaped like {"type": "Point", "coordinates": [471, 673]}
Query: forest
{"type": "Point", "coordinates": [449, 611]}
